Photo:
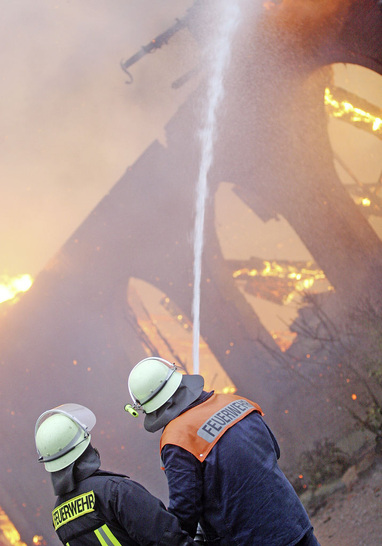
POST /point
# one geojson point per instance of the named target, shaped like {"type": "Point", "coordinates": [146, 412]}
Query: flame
{"type": "Point", "coordinates": [288, 271]}
{"type": "Point", "coordinates": [164, 329]}
{"type": "Point", "coordinates": [284, 339]}
{"type": "Point", "coordinates": [9, 531]}
{"type": "Point", "coordinates": [345, 109]}
{"type": "Point", "coordinates": [10, 287]}
{"type": "Point", "coordinates": [295, 278]}
{"type": "Point", "coordinates": [362, 201]}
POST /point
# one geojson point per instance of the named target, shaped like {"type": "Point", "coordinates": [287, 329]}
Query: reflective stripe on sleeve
{"type": "Point", "coordinates": [106, 537]}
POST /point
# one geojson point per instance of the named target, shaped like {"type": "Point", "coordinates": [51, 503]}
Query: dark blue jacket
{"type": "Point", "coordinates": [132, 515]}
{"type": "Point", "coordinates": [238, 493]}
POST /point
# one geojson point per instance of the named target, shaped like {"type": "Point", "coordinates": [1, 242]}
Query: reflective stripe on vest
{"type": "Point", "coordinates": [198, 429]}
{"type": "Point", "coordinates": [106, 537]}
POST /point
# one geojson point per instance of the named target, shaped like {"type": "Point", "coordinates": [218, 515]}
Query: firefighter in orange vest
{"type": "Point", "coordinates": [220, 460]}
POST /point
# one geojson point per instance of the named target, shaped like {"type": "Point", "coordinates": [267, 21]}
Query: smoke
{"type": "Point", "coordinates": [70, 124]}
{"type": "Point", "coordinates": [70, 128]}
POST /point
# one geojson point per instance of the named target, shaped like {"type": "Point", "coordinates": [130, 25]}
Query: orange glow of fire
{"type": "Point", "coordinates": [10, 287]}
{"type": "Point", "coordinates": [284, 339]}
{"type": "Point", "coordinates": [363, 201]}
{"type": "Point", "coordinates": [228, 390]}
{"type": "Point", "coordinates": [166, 330]}
{"type": "Point", "coordinates": [302, 279]}
{"type": "Point", "coordinates": [179, 317]}
{"type": "Point", "coordinates": [8, 532]}
{"type": "Point", "coordinates": [269, 4]}
{"type": "Point", "coordinates": [342, 109]}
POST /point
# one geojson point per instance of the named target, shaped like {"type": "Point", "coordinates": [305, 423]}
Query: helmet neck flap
{"type": "Point", "coordinates": [65, 480]}
{"type": "Point", "coordinates": [188, 391]}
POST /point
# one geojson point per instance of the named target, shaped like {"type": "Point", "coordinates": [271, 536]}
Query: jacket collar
{"type": "Point", "coordinates": [65, 480]}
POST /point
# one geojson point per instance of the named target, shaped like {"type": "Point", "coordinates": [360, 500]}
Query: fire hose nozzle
{"type": "Point", "coordinates": [129, 408]}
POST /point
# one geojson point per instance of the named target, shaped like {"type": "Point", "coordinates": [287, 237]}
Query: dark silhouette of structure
{"type": "Point", "coordinates": [69, 339]}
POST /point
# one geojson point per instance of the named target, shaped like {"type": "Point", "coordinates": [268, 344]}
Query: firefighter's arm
{"type": "Point", "coordinates": [185, 482]}
{"type": "Point", "coordinates": [145, 518]}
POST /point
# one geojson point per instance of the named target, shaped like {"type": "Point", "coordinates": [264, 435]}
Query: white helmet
{"type": "Point", "coordinates": [151, 383]}
{"type": "Point", "coordinates": [62, 434]}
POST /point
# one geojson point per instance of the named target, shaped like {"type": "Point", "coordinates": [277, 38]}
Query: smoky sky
{"type": "Point", "coordinates": [70, 125]}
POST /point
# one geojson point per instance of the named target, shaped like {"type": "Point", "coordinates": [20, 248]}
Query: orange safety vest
{"type": "Point", "coordinates": [198, 429]}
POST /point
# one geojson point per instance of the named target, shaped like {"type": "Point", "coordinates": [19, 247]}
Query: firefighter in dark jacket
{"type": "Point", "coordinates": [94, 506]}
{"type": "Point", "coordinates": [220, 460]}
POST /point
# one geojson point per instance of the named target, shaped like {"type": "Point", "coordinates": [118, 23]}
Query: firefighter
{"type": "Point", "coordinates": [220, 460]}
{"type": "Point", "coordinates": [95, 506]}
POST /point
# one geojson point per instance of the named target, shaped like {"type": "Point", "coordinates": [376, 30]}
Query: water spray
{"type": "Point", "coordinates": [217, 63]}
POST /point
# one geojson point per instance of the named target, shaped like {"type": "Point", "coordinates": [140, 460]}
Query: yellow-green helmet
{"type": "Point", "coordinates": [152, 382]}
{"type": "Point", "coordinates": [62, 434]}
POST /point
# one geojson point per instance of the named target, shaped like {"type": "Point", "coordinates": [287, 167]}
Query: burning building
{"type": "Point", "coordinates": [75, 334]}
